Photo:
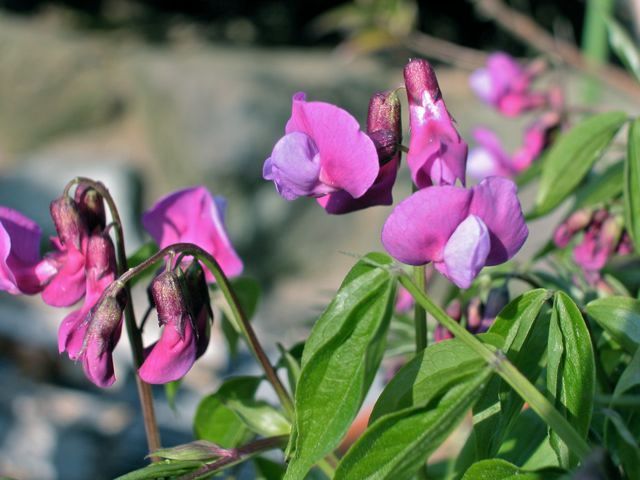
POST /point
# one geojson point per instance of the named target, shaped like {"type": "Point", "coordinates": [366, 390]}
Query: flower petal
{"type": "Point", "coordinates": [419, 227]}
{"type": "Point", "coordinates": [348, 157]}
{"type": "Point", "coordinates": [465, 252]}
{"type": "Point", "coordinates": [68, 285]}
{"type": "Point", "coordinates": [496, 202]}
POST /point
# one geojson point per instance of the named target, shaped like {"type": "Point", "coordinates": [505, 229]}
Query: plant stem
{"type": "Point", "coordinates": [236, 309]}
{"type": "Point", "coordinates": [135, 339]}
{"type": "Point", "coordinates": [506, 370]}
{"type": "Point", "coordinates": [419, 313]}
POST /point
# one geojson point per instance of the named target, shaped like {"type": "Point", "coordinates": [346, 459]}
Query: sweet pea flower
{"type": "Point", "coordinates": [192, 215]}
{"type": "Point", "coordinates": [459, 230]}
{"type": "Point", "coordinates": [437, 154]}
{"type": "Point", "coordinates": [100, 273]}
{"type": "Point", "coordinates": [323, 151]}
{"type": "Point", "coordinates": [385, 129]}
{"type": "Point", "coordinates": [506, 85]}
{"type": "Point", "coordinates": [171, 357]}
{"type": "Point", "coordinates": [20, 269]}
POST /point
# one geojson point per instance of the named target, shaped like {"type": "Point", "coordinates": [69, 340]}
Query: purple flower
{"type": "Point", "coordinates": [505, 85]}
{"type": "Point", "coordinates": [385, 129]}
{"type": "Point", "coordinates": [459, 230]}
{"type": "Point", "coordinates": [323, 151]}
{"type": "Point", "coordinates": [437, 154]}
{"type": "Point", "coordinates": [20, 269]}
{"type": "Point", "coordinates": [192, 215]}
{"type": "Point", "coordinates": [488, 159]}
{"type": "Point", "coordinates": [171, 357]}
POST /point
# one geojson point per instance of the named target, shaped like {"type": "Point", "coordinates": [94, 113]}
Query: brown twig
{"type": "Point", "coordinates": [528, 31]}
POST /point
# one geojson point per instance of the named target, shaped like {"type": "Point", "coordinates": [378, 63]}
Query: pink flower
{"type": "Point", "coordinates": [323, 151]}
{"type": "Point", "coordinates": [385, 129]}
{"type": "Point", "coordinates": [505, 85]}
{"type": "Point", "coordinates": [459, 230]}
{"type": "Point", "coordinates": [437, 154]}
{"type": "Point", "coordinates": [20, 270]}
{"type": "Point", "coordinates": [192, 215]}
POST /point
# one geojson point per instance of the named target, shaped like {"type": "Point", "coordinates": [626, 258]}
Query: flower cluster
{"type": "Point", "coordinates": [507, 86]}
{"type": "Point", "coordinates": [324, 155]}
{"type": "Point", "coordinates": [83, 266]}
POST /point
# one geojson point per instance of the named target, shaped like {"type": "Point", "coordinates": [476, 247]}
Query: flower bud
{"type": "Point", "coordinates": [625, 247]}
{"type": "Point", "coordinates": [474, 314]}
{"type": "Point", "coordinates": [103, 333]}
{"type": "Point", "coordinates": [420, 78]}
{"type": "Point", "coordinates": [384, 125]}
{"type": "Point", "coordinates": [91, 206]}
{"type": "Point", "coordinates": [69, 224]}
{"type": "Point", "coordinates": [101, 255]}
{"type": "Point", "coordinates": [577, 221]}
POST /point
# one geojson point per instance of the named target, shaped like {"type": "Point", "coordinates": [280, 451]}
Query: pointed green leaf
{"type": "Point", "coordinates": [340, 360]}
{"type": "Point", "coordinates": [624, 46]}
{"type": "Point", "coordinates": [620, 317]}
{"type": "Point", "coordinates": [498, 469]}
{"type": "Point", "coordinates": [396, 445]}
{"type": "Point", "coordinates": [259, 416]}
{"type": "Point", "coordinates": [601, 187]}
{"type": "Point", "coordinates": [570, 372]}
{"type": "Point", "coordinates": [632, 184]}
{"type": "Point", "coordinates": [572, 156]}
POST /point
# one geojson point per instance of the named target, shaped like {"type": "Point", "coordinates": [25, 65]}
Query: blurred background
{"type": "Point", "coordinates": [151, 96]}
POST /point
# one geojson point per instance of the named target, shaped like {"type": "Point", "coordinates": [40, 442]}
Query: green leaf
{"type": "Point", "coordinates": [624, 46]}
{"type": "Point", "coordinates": [523, 340]}
{"type": "Point", "coordinates": [497, 469]}
{"type": "Point", "coordinates": [396, 445]}
{"type": "Point", "coordinates": [268, 469]}
{"type": "Point", "coordinates": [572, 156]}
{"type": "Point", "coordinates": [216, 422]}
{"type": "Point", "coordinates": [198, 450]}
{"type": "Point", "coordinates": [291, 364]}
{"type": "Point", "coordinates": [570, 372]}
{"type": "Point", "coordinates": [524, 439]}
{"type": "Point", "coordinates": [426, 375]}
{"type": "Point", "coordinates": [601, 187]}
{"type": "Point", "coordinates": [260, 417]}
{"type": "Point", "coordinates": [139, 256]}
{"type": "Point", "coordinates": [632, 184]}
{"type": "Point", "coordinates": [620, 317]}
{"type": "Point", "coordinates": [165, 469]}
{"type": "Point", "coordinates": [340, 359]}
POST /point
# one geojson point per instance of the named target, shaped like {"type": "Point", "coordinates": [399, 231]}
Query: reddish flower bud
{"type": "Point", "coordinates": [91, 206]}
{"type": "Point", "coordinates": [420, 78]}
{"type": "Point", "coordinates": [577, 221]}
{"type": "Point", "coordinates": [384, 124]}
{"type": "Point", "coordinates": [625, 247]}
{"type": "Point", "coordinates": [69, 224]}
{"type": "Point", "coordinates": [103, 333]}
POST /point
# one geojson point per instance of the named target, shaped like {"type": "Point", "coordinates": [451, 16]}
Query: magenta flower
{"type": "Point", "coordinates": [192, 215]}
{"type": "Point", "coordinates": [323, 151]}
{"type": "Point", "coordinates": [171, 357]}
{"type": "Point", "coordinates": [457, 229]}
{"type": "Point", "coordinates": [506, 85]}
{"type": "Point", "coordinates": [437, 154]}
{"type": "Point", "coordinates": [100, 273]}
{"type": "Point", "coordinates": [385, 129]}
{"type": "Point", "coordinates": [20, 269]}
{"type": "Point", "coordinates": [488, 159]}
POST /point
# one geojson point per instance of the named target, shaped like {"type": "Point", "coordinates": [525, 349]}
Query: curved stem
{"type": "Point", "coordinates": [236, 309]}
{"type": "Point", "coordinates": [135, 338]}
{"type": "Point", "coordinates": [503, 367]}
{"type": "Point", "coordinates": [419, 313]}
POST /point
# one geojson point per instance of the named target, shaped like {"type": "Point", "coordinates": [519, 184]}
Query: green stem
{"type": "Point", "coordinates": [419, 313]}
{"type": "Point", "coordinates": [135, 338]}
{"type": "Point", "coordinates": [506, 370]}
{"type": "Point", "coordinates": [236, 309]}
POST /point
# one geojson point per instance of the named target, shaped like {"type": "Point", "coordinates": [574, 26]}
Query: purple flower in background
{"type": "Point", "coordinates": [20, 269]}
{"type": "Point", "coordinates": [459, 230]}
{"type": "Point", "coordinates": [323, 151]}
{"type": "Point", "coordinates": [192, 215]}
{"type": "Point", "coordinates": [437, 154]}
{"type": "Point", "coordinates": [385, 129]}
{"type": "Point", "coordinates": [488, 158]}
{"type": "Point", "coordinates": [506, 85]}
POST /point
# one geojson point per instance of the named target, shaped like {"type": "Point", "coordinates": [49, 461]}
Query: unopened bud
{"type": "Point", "coordinates": [625, 247]}
{"type": "Point", "coordinates": [101, 254]}
{"type": "Point", "coordinates": [498, 299]}
{"type": "Point", "coordinates": [420, 77]}
{"type": "Point", "coordinates": [91, 206]}
{"type": "Point", "coordinates": [576, 222]}
{"type": "Point", "coordinates": [384, 125]}
{"type": "Point", "coordinates": [169, 299]}
{"type": "Point", "coordinates": [454, 310]}
{"type": "Point", "coordinates": [474, 314]}
{"type": "Point", "coordinates": [67, 220]}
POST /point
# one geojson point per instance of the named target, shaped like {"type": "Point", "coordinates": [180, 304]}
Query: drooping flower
{"type": "Point", "coordinates": [323, 151]}
{"type": "Point", "coordinates": [459, 230]}
{"type": "Point", "coordinates": [506, 85]}
{"type": "Point", "coordinates": [437, 154]}
{"type": "Point", "coordinates": [100, 273]}
{"type": "Point", "coordinates": [192, 215]}
{"type": "Point", "coordinates": [20, 272]}
{"type": "Point", "coordinates": [171, 357]}
{"type": "Point", "coordinates": [385, 129]}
